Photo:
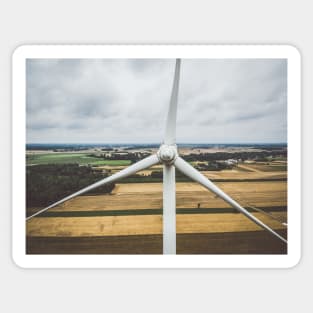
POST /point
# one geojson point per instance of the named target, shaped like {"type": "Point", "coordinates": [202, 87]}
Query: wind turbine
{"type": "Point", "coordinates": [169, 157]}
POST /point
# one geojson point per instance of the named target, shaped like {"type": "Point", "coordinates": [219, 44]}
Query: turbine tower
{"type": "Point", "coordinates": [169, 157]}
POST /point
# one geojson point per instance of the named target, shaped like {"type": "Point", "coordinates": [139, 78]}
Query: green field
{"type": "Point", "coordinates": [67, 158]}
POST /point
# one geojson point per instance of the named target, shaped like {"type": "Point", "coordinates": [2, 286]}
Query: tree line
{"type": "Point", "coordinates": [48, 183]}
{"type": "Point", "coordinates": [255, 155]}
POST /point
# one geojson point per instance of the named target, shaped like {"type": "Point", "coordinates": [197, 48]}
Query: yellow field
{"type": "Point", "coordinates": [114, 169]}
{"type": "Point", "coordinates": [243, 171]}
{"type": "Point", "coordinates": [189, 195]}
{"type": "Point", "coordinates": [144, 225]}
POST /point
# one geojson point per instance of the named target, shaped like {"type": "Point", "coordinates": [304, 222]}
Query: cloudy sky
{"type": "Point", "coordinates": [126, 100]}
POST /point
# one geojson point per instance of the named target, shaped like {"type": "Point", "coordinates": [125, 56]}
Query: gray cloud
{"type": "Point", "coordinates": [125, 100]}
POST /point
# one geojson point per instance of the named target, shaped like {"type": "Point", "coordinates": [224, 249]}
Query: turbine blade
{"type": "Point", "coordinates": [191, 172]}
{"type": "Point", "coordinates": [170, 131]}
{"type": "Point", "coordinates": [169, 210]}
{"type": "Point", "coordinates": [141, 165]}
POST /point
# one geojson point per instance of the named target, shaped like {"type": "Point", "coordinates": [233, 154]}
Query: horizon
{"type": "Point", "coordinates": [156, 143]}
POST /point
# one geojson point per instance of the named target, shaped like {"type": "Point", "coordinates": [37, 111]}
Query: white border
{"type": "Point", "coordinates": [156, 261]}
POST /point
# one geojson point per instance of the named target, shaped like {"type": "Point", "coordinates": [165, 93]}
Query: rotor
{"type": "Point", "coordinates": [167, 154]}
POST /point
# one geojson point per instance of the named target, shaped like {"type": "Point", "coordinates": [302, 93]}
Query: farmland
{"type": "Point", "coordinates": [129, 218]}
{"type": "Point", "coordinates": [149, 196]}
{"type": "Point", "coordinates": [70, 158]}
{"type": "Point", "coordinates": [143, 225]}
{"type": "Point", "coordinates": [266, 167]}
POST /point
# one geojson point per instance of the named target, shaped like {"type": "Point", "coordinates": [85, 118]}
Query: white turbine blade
{"type": "Point", "coordinates": [141, 165]}
{"type": "Point", "coordinates": [170, 131]}
{"type": "Point", "coordinates": [169, 210]}
{"type": "Point", "coordinates": [191, 172]}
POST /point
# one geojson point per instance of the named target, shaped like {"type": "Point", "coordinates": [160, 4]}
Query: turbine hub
{"type": "Point", "coordinates": [167, 154]}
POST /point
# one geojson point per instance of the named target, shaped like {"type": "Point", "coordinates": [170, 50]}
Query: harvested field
{"type": "Point", "coordinates": [266, 167]}
{"type": "Point", "coordinates": [145, 225]}
{"type": "Point", "coordinates": [245, 175]}
{"type": "Point", "coordinates": [259, 242]}
{"type": "Point", "coordinates": [116, 168]}
{"type": "Point", "coordinates": [196, 234]}
{"type": "Point", "coordinates": [195, 187]}
{"type": "Point", "coordinates": [189, 195]}
{"type": "Point", "coordinates": [240, 173]}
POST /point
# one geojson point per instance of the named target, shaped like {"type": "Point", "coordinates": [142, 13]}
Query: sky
{"type": "Point", "coordinates": [126, 100]}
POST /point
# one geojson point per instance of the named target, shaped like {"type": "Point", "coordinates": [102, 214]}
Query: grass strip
{"type": "Point", "coordinates": [152, 212]}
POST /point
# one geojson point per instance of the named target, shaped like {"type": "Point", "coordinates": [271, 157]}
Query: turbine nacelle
{"type": "Point", "coordinates": [167, 154]}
